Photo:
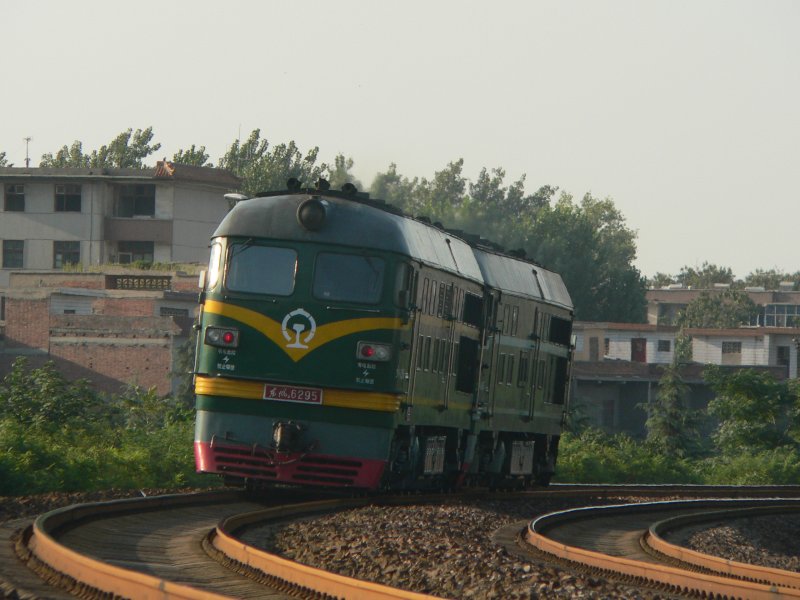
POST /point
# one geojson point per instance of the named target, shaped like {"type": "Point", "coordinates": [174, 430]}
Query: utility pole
{"type": "Point", "coordinates": [27, 156]}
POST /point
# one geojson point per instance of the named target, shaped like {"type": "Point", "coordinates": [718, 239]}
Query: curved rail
{"type": "Point", "coordinates": [329, 584]}
{"type": "Point", "coordinates": [756, 573]}
{"type": "Point", "coordinates": [92, 575]}
{"type": "Point", "coordinates": [681, 580]}
{"type": "Point", "coordinates": [95, 577]}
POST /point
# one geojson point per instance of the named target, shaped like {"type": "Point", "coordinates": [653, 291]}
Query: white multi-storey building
{"type": "Point", "coordinates": [53, 217]}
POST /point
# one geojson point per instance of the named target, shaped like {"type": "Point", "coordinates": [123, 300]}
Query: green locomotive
{"type": "Point", "coordinates": [344, 344]}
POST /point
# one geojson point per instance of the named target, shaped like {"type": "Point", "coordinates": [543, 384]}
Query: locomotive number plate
{"type": "Point", "coordinates": [290, 393]}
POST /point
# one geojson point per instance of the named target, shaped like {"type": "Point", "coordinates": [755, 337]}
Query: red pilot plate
{"type": "Point", "coordinates": [291, 393]}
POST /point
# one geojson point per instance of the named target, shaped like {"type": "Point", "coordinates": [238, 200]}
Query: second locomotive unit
{"type": "Point", "coordinates": [342, 343]}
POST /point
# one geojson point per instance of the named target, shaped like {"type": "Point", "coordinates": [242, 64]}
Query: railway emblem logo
{"type": "Point", "coordinates": [300, 322]}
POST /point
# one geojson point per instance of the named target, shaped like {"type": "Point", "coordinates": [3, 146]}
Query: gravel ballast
{"type": "Point", "coordinates": [768, 541]}
{"type": "Point", "coordinates": [442, 550]}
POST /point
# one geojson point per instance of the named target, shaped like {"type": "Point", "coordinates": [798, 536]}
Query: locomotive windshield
{"type": "Point", "coordinates": [348, 278]}
{"type": "Point", "coordinates": [261, 269]}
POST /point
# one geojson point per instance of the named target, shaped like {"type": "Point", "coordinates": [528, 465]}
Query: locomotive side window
{"type": "Point", "coordinates": [348, 278]}
{"type": "Point", "coordinates": [404, 285]}
{"type": "Point", "coordinates": [560, 331]}
{"type": "Point", "coordinates": [261, 269]}
{"type": "Point", "coordinates": [467, 364]}
{"type": "Point", "coordinates": [214, 266]}
{"type": "Point", "coordinates": [473, 309]}
{"type": "Point", "coordinates": [559, 380]}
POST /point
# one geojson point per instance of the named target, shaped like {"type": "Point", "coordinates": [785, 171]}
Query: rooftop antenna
{"type": "Point", "coordinates": [27, 157]}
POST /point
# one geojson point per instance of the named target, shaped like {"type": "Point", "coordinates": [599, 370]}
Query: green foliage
{"type": "Point", "coordinates": [395, 189]}
{"type": "Point", "coordinates": [262, 168]}
{"type": "Point", "coordinates": [197, 157]}
{"type": "Point", "coordinates": [340, 173]}
{"type": "Point", "coordinates": [776, 466]}
{"type": "Point", "coordinates": [705, 277]}
{"type": "Point", "coordinates": [672, 428]}
{"type": "Point", "coordinates": [127, 150]}
{"type": "Point", "coordinates": [726, 309]}
{"type": "Point", "coordinates": [771, 279]}
{"type": "Point", "coordinates": [57, 435]}
{"type": "Point", "coordinates": [756, 412]}
{"type": "Point", "coordinates": [3, 159]}
{"type": "Point", "coordinates": [42, 398]}
{"type": "Point", "coordinates": [597, 457]}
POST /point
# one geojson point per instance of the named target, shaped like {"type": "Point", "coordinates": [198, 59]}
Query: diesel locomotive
{"type": "Point", "coordinates": [342, 343]}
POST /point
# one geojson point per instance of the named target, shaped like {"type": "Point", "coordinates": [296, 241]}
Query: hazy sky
{"type": "Point", "coordinates": [687, 114]}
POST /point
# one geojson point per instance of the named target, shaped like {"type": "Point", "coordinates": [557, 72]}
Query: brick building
{"type": "Point", "coordinates": [114, 328]}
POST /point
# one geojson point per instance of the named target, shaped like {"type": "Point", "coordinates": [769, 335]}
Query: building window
{"type": "Point", "coordinates": [137, 200]}
{"type": "Point", "coordinates": [68, 197]}
{"type": "Point", "coordinates": [66, 253]}
{"type": "Point", "coordinates": [664, 345]}
{"type": "Point", "coordinates": [783, 356]}
{"type": "Point", "coordinates": [731, 347]}
{"type": "Point", "coordinates": [15, 197]}
{"type": "Point", "coordinates": [12, 253]}
{"type": "Point", "coordinates": [128, 252]}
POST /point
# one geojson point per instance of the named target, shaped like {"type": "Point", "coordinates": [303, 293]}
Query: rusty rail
{"type": "Point", "coordinates": [680, 580]}
{"type": "Point", "coordinates": [101, 576]}
{"type": "Point", "coordinates": [739, 570]}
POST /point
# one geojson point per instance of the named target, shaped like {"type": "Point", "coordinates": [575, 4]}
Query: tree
{"type": "Point", "coordinates": [501, 214]}
{"type": "Point", "coordinates": [770, 279]}
{"type": "Point", "coordinates": [339, 174]}
{"type": "Point", "coordinates": [441, 197]}
{"type": "Point", "coordinates": [3, 160]}
{"type": "Point", "coordinates": [394, 188]}
{"type": "Point", "coordinates": [592, 248]}
{"type": "Point", "coordinates": [197, 157]}
{"type": "Point", "coordinates": [127, 150]}
{"type": "Point", "coordinates": [262, 168]}
{"type": "Point", "coordinates": [718, 310]}
{"type": "Point", "coordinates": [756, 412]}
{"type": "Point", "coordinates": [660, 280]}
{"type": "Point", "coordinates": [672, 429]}
{"type": "Point", "coordinates": [704, 277]}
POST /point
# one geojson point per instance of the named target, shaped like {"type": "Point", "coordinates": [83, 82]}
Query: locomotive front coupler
{"type": "Point", "coordinates": [287, 436]}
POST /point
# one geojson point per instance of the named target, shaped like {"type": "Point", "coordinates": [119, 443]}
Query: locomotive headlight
{"type": "Point", "coordinates": [223, 337]}
{"type": "Point", "coordinates": [373, 352]}
{"type": "Point", "coordinates": [311, 214]}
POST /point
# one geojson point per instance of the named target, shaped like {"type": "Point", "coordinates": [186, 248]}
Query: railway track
{"type": "Point", "coordinates": [630, 541]}
{"type": "Point", "coordinates": [187, 546]}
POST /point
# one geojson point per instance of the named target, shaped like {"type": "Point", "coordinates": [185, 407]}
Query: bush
{"type": "Point", "coordinates": [779, 466]}
{"type": "Point", "coordinates": [597, 457]}
{"type": "Point", "coordinates": [60, 436]}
